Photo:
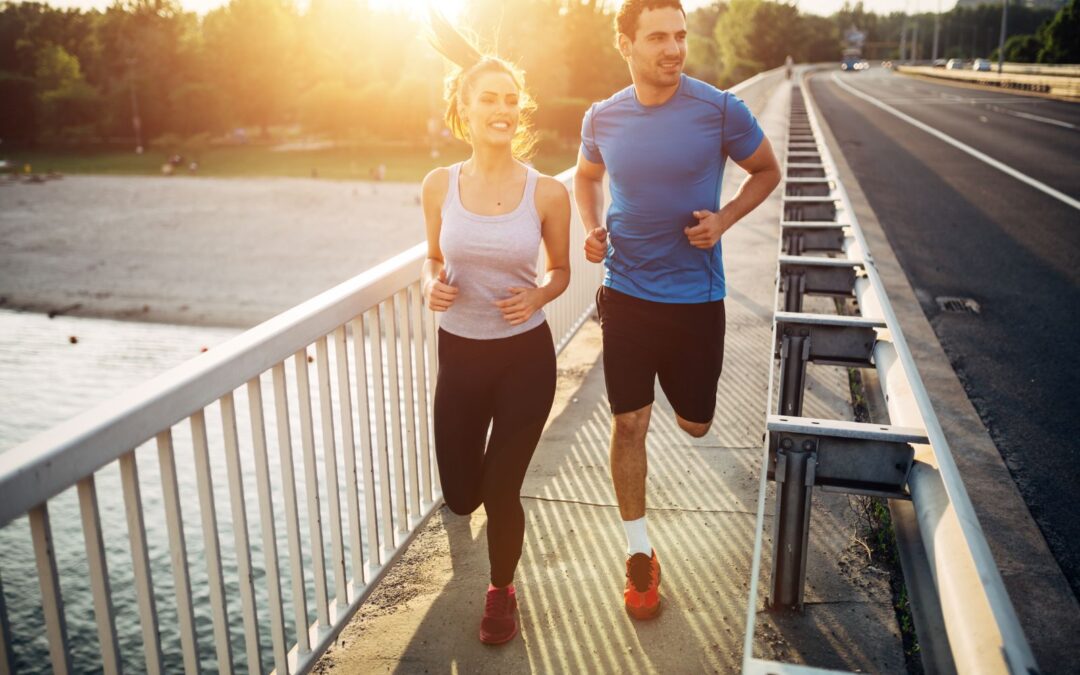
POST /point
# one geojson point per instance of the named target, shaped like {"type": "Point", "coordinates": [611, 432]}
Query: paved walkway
{"type": "Point", "coordinates": [702, 499]}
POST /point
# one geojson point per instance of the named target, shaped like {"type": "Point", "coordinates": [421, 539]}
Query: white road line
{"type": "Point", "coordinates": [1029, 116]}
{"type": "Point", "coordinates": [1000, 166]}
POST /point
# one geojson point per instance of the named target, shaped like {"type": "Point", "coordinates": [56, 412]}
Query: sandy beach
{"type": "Point", "coordinates": [195, 251]}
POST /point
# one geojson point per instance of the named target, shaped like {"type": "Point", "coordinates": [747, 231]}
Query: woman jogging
{"type": "Point", "coordinates": [486, 218]}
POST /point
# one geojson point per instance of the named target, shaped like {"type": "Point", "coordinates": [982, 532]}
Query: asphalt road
{"type": "Point", "coordinates": [963, 228]}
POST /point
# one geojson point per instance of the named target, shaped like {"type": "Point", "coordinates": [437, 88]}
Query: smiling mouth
{"type": "Point", "coordinates": [670, 64]}
{"type": "Point", "coordinates": [500, 126]}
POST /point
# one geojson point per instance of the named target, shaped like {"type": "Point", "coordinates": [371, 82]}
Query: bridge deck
{"type": "Point", "coordinates": [702, 504]}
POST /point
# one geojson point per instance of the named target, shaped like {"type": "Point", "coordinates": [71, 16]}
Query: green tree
{"type": "Point", "coordinates": [1061, 36]}
{"type": "Point", "coordinates": [54, 66]}
{"type": "Point", "coordinates": [1021, 49]}
{"type": "Point", "coordinates": [734, 31]}
{"type": "Point", "coordinates": [19, 114]}
{"type": "Point", "coordinates": [252, 43]}
{"type": "Point", "coordinates": [333, 107]}
{"type": "Point", "coordinates": [703, 59]}
{"type": "Point", "coordinates": [777, 32]}
{"type": "Point", "coordinates": [66, 101]}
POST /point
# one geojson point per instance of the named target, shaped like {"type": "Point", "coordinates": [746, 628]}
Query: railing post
{"type": "Point", "coordinates": [795, 483]}
{"type": "Point", "coordinates": [52, 602]}
{"type": "Point", "coordinates": [794, 353]}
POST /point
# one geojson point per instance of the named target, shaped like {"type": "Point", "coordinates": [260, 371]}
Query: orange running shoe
{"type": "Point", "coordinates": [642, 594]}
{"type": "Point", "coordinates": [498, 625]}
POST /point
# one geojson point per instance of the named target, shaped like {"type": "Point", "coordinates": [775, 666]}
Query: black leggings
{"type": "Point", "coordinates": [509, 385]}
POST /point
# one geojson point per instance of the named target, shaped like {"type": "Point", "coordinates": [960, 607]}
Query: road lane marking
{"type": "Point", "coordinates": [989, 103]}
{"type": "Point", "coordinates": [1029, 116]}
{"type": "Point", "coordinates": [1000, 166]}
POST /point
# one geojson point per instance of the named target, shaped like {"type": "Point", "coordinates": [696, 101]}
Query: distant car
{"type": "Point", "coordinates": [981, 65]}
{"type": "Point", "coordinates": [862, 64]}
{"type": "Point", "coordinates": [886, 64]}
{"type": "Point", "coordinates": [954, 64]}
{"type": "Point", "coordinates": [939, 63]}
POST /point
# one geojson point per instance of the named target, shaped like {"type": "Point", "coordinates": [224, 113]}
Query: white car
{"type": "Point", "coordinates": [981, 65]}
{"type": "Point", "coordinates": [954, 64]}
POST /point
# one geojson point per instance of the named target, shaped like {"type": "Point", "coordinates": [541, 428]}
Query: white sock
{"type": "Point", "coordinates": [637, 537]}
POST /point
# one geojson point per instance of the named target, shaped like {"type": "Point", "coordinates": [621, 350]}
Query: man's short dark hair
{"type": "Point", "coordinates": [626, 19]}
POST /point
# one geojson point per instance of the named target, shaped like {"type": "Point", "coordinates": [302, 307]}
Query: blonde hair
{"type": "Point", "coordinates": [469, 62]}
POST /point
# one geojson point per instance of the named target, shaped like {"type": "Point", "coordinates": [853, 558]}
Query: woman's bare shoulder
{"type": "Point", "coordinates": [551, 192]}
{"type": "Point", "coordinates": [436, 184]}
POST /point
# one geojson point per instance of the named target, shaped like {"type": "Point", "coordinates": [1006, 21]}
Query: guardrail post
{"type": "Point", "coordinates": [794, 288]}
{"type": "Point", "coordinates": [794, 353]}
{"type": "Point", "coordinates": [793, 244]}
{"type": "Point", "coordinates": [795, 481]}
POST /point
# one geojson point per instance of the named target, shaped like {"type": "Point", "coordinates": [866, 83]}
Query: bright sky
{"type": "Point", "coordinates": [451, 7]}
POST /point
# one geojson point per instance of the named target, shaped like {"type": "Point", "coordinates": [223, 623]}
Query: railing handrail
{"type": "Point", "coordinates": [45, 465]}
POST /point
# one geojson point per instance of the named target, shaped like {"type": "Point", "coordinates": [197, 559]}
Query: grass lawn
{"type": "Point", "coordinates": [338, 163]}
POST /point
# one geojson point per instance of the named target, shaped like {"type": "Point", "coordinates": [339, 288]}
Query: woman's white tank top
{"type": "Point", "coordinates": [485, 256]}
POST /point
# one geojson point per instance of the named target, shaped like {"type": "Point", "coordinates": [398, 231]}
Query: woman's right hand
{"type": "Point", "coordinates": [440, 294]}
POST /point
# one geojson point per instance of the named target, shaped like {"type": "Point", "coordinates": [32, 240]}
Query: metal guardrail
{"type": "Point", "coordinates": [1063, 85]}
{"type": "Point", "coordinates": [1052, 69]}
{"type": "Point", "coordinates": [910, 460]}
{"type": "Point", "coordinates": [375, 364]}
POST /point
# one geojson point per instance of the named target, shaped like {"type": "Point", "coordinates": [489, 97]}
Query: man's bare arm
{"type": "Point", "coordinates": [589, 196]}
{"type": "Point", "coordinates": [764, 170]}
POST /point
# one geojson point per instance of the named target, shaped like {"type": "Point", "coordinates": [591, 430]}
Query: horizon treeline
{"type": "Point", "coordinates": [345, 70]}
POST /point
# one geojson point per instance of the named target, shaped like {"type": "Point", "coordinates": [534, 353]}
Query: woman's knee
{"type": "Point", "coordinates": [461, 503]}
{"type": "Point", "coordinates": [501, 498]}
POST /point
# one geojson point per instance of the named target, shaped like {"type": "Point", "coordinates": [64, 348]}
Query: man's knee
{"type": "Point", "coordinates": [695, 429]}
{"type": "Point", "coordinates": [631, 427]}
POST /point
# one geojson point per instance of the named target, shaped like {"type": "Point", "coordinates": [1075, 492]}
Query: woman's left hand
{"type": "Point", "coordinates": [521, 305]}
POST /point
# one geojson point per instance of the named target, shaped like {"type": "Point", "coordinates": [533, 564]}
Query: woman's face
{"type": "Point", "coordinates": [493, 108]}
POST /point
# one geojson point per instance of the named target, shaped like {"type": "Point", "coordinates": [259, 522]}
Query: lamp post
{"type": "Point", "coordinates": [937, 30]}
{"type": "Point", "coordinates": [1001, 39]}
{"type": "Point", "coordinates": [136, 121]}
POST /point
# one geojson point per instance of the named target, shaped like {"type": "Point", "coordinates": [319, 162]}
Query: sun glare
{"type": "Point", "coordinates": [451, 9]}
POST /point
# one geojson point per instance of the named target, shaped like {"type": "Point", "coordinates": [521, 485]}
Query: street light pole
{"type": "Point", "coordinates": [915, 41]}
{"type": "Point", "coordinates": [136, 121]}
{"type": "Point", "coordinates": [937, 30]}
{"type": "Point", "coordinates": [1001, 40]}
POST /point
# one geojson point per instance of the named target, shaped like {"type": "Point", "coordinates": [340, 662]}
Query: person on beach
{"type": "Point", "coordinates": [486, 219]}
{"type": "Point", "coordinates": [664, 142]}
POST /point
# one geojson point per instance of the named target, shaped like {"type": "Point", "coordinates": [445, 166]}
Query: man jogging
{"type": "Point", "coordinates": [664, 141]}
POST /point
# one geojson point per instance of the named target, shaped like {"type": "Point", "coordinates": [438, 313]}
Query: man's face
{"type": "Point", "coordinates": [657, 53]}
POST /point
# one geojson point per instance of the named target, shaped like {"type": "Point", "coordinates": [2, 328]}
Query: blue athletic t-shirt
{"type": "Point", "coordinates": [664, 163]}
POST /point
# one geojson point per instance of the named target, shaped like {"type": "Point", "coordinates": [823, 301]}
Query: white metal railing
{"type": "Point", "coordinates": [374, 366]}
{"type": "Point", "coordinates": [984, 633]}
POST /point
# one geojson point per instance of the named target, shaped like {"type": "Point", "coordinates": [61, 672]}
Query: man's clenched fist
{"type": "Point", "coordinates": [596, 245]}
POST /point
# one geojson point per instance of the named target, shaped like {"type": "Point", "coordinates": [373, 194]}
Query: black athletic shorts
{"type": "Point", "coordinates": [682, 344]}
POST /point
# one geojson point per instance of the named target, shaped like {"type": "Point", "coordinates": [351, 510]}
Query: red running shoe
{"type": "Point", "coordinates": [498, 625]}
{"type": "Point", "coordinates": [642, 594]}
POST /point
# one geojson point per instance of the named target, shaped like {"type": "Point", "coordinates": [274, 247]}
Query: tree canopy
{"type": "Point", "coordinates": [347, 68]}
